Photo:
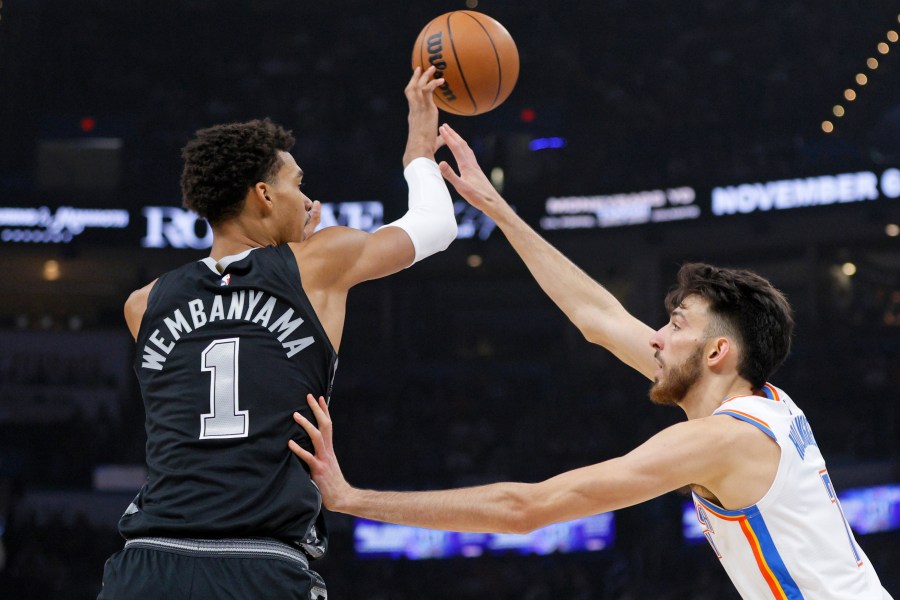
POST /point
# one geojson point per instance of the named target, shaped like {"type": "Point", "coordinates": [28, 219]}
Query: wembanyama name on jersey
{"type": "Point", "coordinates": [248, 305]}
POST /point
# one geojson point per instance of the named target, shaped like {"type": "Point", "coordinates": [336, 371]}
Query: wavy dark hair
{"type": "Point", "coordinates": [223, 162]}
{"type": "Point", "coordinates": [745, 306]}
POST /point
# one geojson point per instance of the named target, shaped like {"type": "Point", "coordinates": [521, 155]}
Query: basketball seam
{"type": "Point", "coordinates": [459, 66]}
{"type": "Point", "coordinates": [496, 55]}
{"type": "Point", "coordinates": [434, 95]}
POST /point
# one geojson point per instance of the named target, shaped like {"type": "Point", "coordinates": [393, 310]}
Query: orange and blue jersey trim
{"type": "Point", "coordinates": [771, 566]}
{"type": "Point", "coordinates": [758, 423]}
{"type": "Point", "coordinates": [769, 391]}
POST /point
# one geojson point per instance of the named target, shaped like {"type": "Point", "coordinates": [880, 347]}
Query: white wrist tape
{"type": "Point", "coordinates": [430, 221]}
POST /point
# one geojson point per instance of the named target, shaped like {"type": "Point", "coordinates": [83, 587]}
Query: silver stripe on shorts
{"type": "Point", "coordinates": [244, 547]}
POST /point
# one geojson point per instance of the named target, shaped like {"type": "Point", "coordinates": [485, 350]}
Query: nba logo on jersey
{"type": "Point", "coordinates": [225, 280]}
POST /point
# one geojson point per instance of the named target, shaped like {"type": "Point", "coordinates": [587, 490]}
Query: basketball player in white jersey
{"type": "Point", "coordinates": [760, 484]}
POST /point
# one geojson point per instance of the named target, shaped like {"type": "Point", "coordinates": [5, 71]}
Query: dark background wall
{"type": "Point", "coordinates": [450, 374]}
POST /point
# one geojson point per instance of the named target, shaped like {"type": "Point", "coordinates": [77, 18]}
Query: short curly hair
{"type": "Point", "coordinates": [223, 162]}
{"type": "Point", "coordinates": [745, 306]}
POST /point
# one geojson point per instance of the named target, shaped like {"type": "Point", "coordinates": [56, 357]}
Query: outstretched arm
{"type": "Point", "coordinates": [599, 316]}
{"type": "Point", "coordinates": [682, 454]}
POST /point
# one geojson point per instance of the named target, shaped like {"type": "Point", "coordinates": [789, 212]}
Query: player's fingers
{"type": "Point", "coordinates": [296, 449]}
{"type": "Point", "coordinates": [450, 133]}
{"type": "Point", "coordinates": [417, 72]}
{"type": "Point", "coordinates": [450, 138]}
{"type": "Point", "coordinates": [320, 411]}
{"type": "Point", "coordinates": [315, 217]}
{"type": "Point", "coordinates": [426, 76]}
{"type": "Point", "coordinates": [448, 173]}
{"type": "Point", "coordinates": [315, 436]}
{"type": "Point", "coordinates": [439, 142]}
{"type": "Point", "coordinates": [434, 84]}
{"type": "Point", "coordinates": [410, 88]}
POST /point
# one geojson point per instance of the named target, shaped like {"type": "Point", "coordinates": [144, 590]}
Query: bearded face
{"type": "Point", "coordinates": [677, 381]}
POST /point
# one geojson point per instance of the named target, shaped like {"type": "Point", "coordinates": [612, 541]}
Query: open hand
{"type": "Point", "coordinates": [323, 465]}
{"type": "Point", "coordinates": [471, 183]}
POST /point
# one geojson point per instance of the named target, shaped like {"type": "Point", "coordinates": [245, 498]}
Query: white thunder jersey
{"type": "Point", "coordinates": [794, 542]}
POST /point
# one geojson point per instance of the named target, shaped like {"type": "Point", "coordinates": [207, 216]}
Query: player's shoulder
{"type": "Point", "coordinates": [136, 306]}
{"type": "Point", "coordinates": [711, 431]}
{"type": "Point", "coordinates": [327, 239]}
{"type": "Point", "coordinates": [141, 295]}
{"type": "Point", "coordinates": [332, 246]}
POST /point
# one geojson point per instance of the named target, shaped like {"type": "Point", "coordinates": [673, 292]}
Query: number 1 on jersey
{"type": "Point", "coordinates": [224, 419]}
{"type": "Point", "coordinates": [832, 495]}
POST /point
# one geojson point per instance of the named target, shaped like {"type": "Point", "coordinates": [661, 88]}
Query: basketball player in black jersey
{"type": "Point", "coordinates": [229, 347]}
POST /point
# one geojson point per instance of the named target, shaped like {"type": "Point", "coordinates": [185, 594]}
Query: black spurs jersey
{"type": "Point", "coordinates": [223, 360]}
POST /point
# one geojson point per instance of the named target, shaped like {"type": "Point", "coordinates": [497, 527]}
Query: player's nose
{"type": "Point", "coordinates": [656, 341]}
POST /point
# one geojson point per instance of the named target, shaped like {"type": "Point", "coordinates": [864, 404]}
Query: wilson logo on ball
{"type": "Point", "coordinates": [436, 59]}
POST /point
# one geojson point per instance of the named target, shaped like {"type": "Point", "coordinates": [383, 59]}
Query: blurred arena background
{"type": "Point", "coordinates": [641, 134]}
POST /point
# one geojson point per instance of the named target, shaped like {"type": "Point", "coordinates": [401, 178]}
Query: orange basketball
{"type": "Point", "coordinates": [475, 55]}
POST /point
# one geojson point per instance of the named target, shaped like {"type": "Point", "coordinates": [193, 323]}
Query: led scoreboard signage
{"type": "Point", "coordinates": [684, 203]}
{"type": "Point", "coordinates": [173, 227]}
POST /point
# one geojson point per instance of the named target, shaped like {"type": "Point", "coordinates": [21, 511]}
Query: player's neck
{"type": "Point", "coordinates": [710, 391]}
{"type": "Point", "coordinates": [232, 238]}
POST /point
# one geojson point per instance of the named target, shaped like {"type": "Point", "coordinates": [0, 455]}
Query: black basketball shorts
{"type": "Point", "coordinates": [185, 569]}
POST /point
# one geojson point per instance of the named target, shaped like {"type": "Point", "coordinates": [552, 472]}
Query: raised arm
{"type": "Point", "coordinates": [347, 256]}
{"type": "Point", "coordinates": [690, 452]}
{"type": "Point", "coordinates": [599, 316]}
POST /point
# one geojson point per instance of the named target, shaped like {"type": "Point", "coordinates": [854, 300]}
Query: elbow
{"type": "Point", "coordinates": [589, 324]}
{"type": "Point", "coordinates": [449, 232]}
{"type": "Point", "coordinates": [522, 514]}
{"type": "Point", "coordinates": [593, 334]}
{"type": "Point", "coordinates": [435, 237]}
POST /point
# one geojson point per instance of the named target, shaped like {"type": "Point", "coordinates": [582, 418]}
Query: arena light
{"type": "Point", "coordinates": [546, 143]}
{"type": "Point", "coordinates": [860, 79]}
{"type": "Point", "coordinates": [386, 540]}
{"type": "Point", "coordinates": [51, 270]}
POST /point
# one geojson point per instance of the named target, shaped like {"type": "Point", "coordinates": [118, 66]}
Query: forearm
{"type": "Point", "coordinates": [597, 314]}
{"type": "Point", "coordinates": [581, 298]}
{"type": "Point", "coordinates": [495, 508]}
{"type": "Point", "coordinates": [418, 146]}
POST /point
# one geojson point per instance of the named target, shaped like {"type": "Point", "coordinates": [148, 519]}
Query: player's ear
{"type": "Point", "coordinates": [717, 351]}
{"type": "Point", "coordinates": [260, 193]}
